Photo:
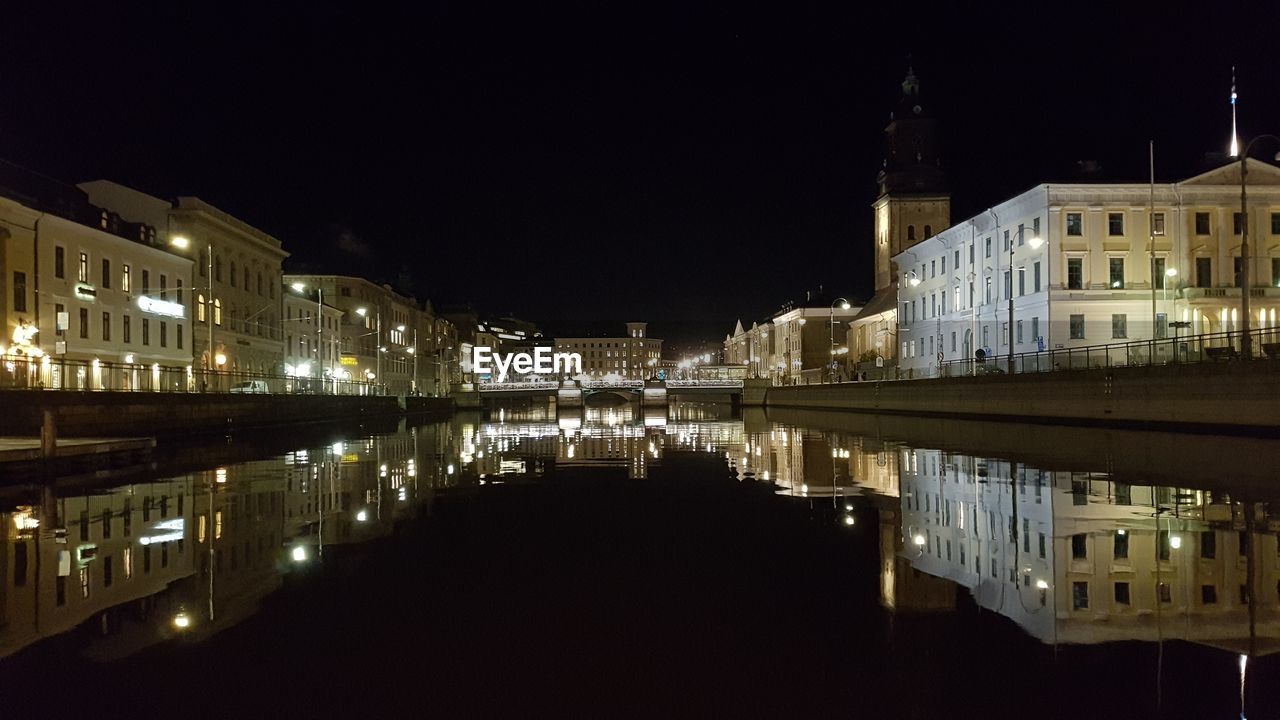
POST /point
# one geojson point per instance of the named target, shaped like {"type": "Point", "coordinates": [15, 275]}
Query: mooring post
{"type": "Point", "coordinates": [48, 435]}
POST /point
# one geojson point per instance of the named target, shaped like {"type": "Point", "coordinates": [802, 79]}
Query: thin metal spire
{"type": "Point", "coordinates": [1235, 141]}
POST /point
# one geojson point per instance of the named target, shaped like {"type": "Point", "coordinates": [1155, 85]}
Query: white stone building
{"type": "Point", "coordinates": [632, 357]}
{"type": "Point", "coordinates": [1083, 271]}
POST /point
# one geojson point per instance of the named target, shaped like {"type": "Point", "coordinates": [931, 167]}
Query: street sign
{"type": "Point", "coordinates": [879, 361]}
{"type": "Point", "coordinates": [64, 321]}
{"type": "Point", "coordinates": [60, 347]}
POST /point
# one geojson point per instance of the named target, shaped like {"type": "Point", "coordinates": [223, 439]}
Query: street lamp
{"type": "Point", "coordinates": [364, 312]}
{"type": "Point", "coordinates": [182, 242]}
{"type": "Point", "coordinates": [831, 326]}
{"type": "Point", "coordinates": [299, 288]}
{"type": "Point", "coordinates": [1246, 342]}
{"type": "Point", "coordinates": [1035, 242]}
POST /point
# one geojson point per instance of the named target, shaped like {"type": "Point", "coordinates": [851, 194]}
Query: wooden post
{"type": "Point", "coordinates": [48, 435]}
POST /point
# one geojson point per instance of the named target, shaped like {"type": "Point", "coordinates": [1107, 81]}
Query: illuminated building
{"type": "Point", "coordinates": [634, 356]}
{"type": "Point", "coordinates": [237, 288]}
{"type": "Point", "coordinates": [312, 337]}
{"type": "Point", "coordinates": [121, 296]}
{"type": "Point", "coordinates": [1082, 269]}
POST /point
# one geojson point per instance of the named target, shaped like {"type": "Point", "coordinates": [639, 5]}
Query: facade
{"type": "Point", "coordinates": [387, 338]}
{"type": "Point", "coordinates": [806, 342]}
{"type": "Point", "coordinates": [913, 204]}
{"type": "Point", "coordinates": [1092, 264]}
{"type": "Point", "coordinates": [634, 356]}
{"type": "Point", "coordinates": [121, 296]}
{"type": "Point", "coordinates": [750, 348]}
{"type": "Point", "coordinates": [312, 338]}
{"type": "Point", "coordinates": [237, 270]}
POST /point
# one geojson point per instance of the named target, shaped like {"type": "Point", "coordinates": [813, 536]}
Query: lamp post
{"type": "Point", "coordinates": [182, 242]}
{"type": "Point", "coordinates": [1035, 242]}
{"type": "Point", "coordinates": [364, 312]}
{"type": "Point", "coordinates": [299, 287]}
{"type": "Point", "coordinates": [1246, 342]}
{"type": "Point", "coordinates": [831, 326]}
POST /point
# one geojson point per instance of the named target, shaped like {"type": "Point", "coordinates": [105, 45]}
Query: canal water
{"type": "Point", "coordinates": [689, 562]}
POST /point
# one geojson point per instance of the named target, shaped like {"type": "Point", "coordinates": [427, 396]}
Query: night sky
{"type": "Point", "coordinates": [585, 165]}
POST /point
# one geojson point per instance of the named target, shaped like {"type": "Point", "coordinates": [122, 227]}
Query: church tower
{"type": "Point", "coordinates": [914, 202]}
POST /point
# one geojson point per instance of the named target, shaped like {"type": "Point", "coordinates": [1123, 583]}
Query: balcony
{"type": "Point", "coordinates": [1217, 293]}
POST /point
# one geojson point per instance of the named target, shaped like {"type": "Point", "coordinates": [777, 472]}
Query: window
{"type": "Point", "coordinates": [928, 231]}
{"type": "Point", "coordinates": [1080, 595]}
{"type": "Point", "coordinates": [1243, 543]}
{"type": "Point", "coordinates": [970, 255]}
{"type": "Point", "coordinates": [1035, 329]}
{"type": "Point", "coordinates": [233, 273]}
{"type": "Point", "coordinates": [1035, 227]}
{"type": "Point", "coordinates": [1275, 223]}
{"type": "Point", "coordinates": [1157, 223]}
{"type": "Point", "coordinates": [1275, 272]}
{"type": "Point", "coordinates": [1079, 547]}
{"type": "Point", "coordinates": [1077, 327]}
{"type": "Point", "coordinates": [1209, 594]}
{"type": "Point", "coordinates": [1075, 224]}
{"type": "Point", "coordinates": [1120, 545]}
{"type": "Point", "coordinates": [1019, 331]}
{"type": "Point", "coordinates": [1035, 277]}
{"type": "Point", "coordinates": [58, 309]}
{"type": "Point", "coordinates": [217, 311]}
{"type": "Point", "coordinates": [59, 262]}
{"type": "Point", "coordinates": [84, 323]}
{"type": "Point", "coordinates": [1075, 273]}
{"type": "Point", "coordinates": [933, 269]}
{"type": "Point", "coordinates": [1164, 592]}
{"type": "Point", "coordinates": [1237, 221]}
{"type": "Point", "coordinates": [127, 330]}
{"type": "Point", "coordinates": [1022, 234]}
{"type": "Point", "coordinates": [1159, 273]}
{"type": "Point", "coordinates": [1115, 224]}
{"type": "Point", "coordinates": [1208, 544]}
{"type": "Point", "coordinates": [1008, 284]}
{"type": "Point", "coordinates": [1122, 593]}
{"type": "Point", "coordinates": [126, 283]}
{"type": "Point", "coordinates": [164, 334]}
{"type": "Point", "coordinates": [1005, 246]}
{"type": "Point", "coordinates": [1042, 545]}
{"type": "Point", "coordinates": [20, 292]}
{"type": "Point", "coordinates": [1162, 545]}
{"type": "Point", "coordinates": [987, 285]}
{"type": "Point", "coordinates": [217, 269]}
{"type": "Point", "coordinates": [200, 307]}
{"type": "Point", "coordinates": [83, 274]}
{"type": "Point", "coordinates": [106, 273]}
{"type": "Point", "coordinates": [164, 286]}
{"type": "Point", "coordinates": [1115, 272]}
{"type": "Point", "coordinates": [106, 327]}
{"type": "Point", "coordinates": [146, 331]}
{"type": "Point", "coordinates": [988, 247]}
{"type": "Point", "coordinates": [1204, 274]}
{"type": "Point", "coordinates": [178, 286]}
{"type": "Point", "coordinates": [911, 233]}
{"type": "Point", "coordinates": [1022, 281]}
{"type": "Point", "coordinates": [1202, 223]}
{"type": "Point", "coordinates": [179, 336]}
{"type": "Point", "coordinates": [1236, 267]}
{"type": "Point", "coordinates": [146, 282]}
{"type": "Point", "coordinates": [1119, 325]}
{"type": "Point", "coordinates": [107, 573]}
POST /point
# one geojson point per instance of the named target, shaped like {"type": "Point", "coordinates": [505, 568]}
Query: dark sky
{"type": "Point", "coordinates": [582, 165]}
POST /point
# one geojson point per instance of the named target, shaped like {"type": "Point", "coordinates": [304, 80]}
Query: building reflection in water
{"type": "Point", "coordinates": [190, 555]}
{"type": "Point", "coordinates": [1077, 550]}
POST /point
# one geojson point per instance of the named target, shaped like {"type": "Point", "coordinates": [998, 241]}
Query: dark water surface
{"type": "Point", "coordinates": [614, 563]}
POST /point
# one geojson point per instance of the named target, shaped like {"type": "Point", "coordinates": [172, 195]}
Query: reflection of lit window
{"type": "Point", "coordinates": [201, 529]}
{"type": "Point", "coordinates": [217, 525]}
{"type": "Point", "coordinates": [128, 562]}
{"type": "Point", "coordinates": [200, 307]}
{"type": "Point", "coordinates": [84, 582]}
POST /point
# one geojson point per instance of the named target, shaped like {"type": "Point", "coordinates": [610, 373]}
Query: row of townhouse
{"type": "Point", "coordinates": [106, 287]}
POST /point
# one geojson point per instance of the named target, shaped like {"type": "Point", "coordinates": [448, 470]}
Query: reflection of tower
{"type": "Point", "coordinates": [913, 203]}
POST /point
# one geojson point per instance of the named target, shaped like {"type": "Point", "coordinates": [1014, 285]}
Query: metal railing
{"type": "Point", "coordinates": [512, 386]}
{"type": "Point", "coordinates": [608, 384]}
{"type": "Point", "coordinates": [48, 373]}
{"type": "Point", "coordinates": [1213, 347]}
{"type": "Point", "coordinates": [705, 383]}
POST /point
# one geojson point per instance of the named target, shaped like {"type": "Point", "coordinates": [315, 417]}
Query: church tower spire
{"type": "Point", "coordinates": [914, 202]}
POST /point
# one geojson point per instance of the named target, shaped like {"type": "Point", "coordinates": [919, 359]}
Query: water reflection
{"type": "Point", "coordinates": [1076, 537]}
{"type": "Point", "coordinates": [193, 554]}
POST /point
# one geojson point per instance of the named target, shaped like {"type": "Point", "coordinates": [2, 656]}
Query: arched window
{"type": "Point", "coordinates": [217, 311]}
{"type": "Point", "coordinates": [233, 273]}
{"type": "Point", "coordinates": [928, 231]}
{"type": "Point", "coordinates": [911, 232]}
{"type": "Point", "coordinates": [200, 307]}
{"type": "Point", "coordinates": [231, 316]}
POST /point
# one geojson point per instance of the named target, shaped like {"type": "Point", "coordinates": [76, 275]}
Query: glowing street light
{"type": "Point", "coordinates": [182, 621]}
{"type": "Point", "coordinates": [180, 241]}
{"type": "Point", "coordinates": [299, 554]}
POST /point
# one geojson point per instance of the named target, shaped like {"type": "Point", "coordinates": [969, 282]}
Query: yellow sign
{"type": "Point", "coordinates": [349, 361]}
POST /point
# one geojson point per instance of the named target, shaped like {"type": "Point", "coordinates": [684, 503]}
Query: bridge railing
{"type": "Point", "coordinates": [704, 383]}
{"type": "Point", "coordinates": [611, 384]}
{"type": "Point", "coordinates": [513, 386]}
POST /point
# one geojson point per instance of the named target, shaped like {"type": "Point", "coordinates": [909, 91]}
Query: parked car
{"type": "Point", "coordinates": [250, 386]}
